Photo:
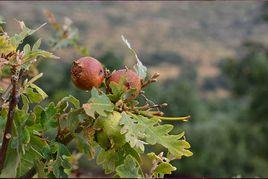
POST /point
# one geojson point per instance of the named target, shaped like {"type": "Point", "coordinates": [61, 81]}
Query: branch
{"type": "Point", "coordinates": [14, 99]}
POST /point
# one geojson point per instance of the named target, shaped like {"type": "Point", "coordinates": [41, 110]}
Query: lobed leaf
{"type": "Point", "coordinates": [117, 90]}
{"type": "Point", "coordinates": [111, 159]}
{"type": "Point", "coordinates": [108, 160]}
{"type": "Point", "coordinates": [164, 168]}
{"type": "Point", "coordinates": [142, 129]}
{"type": "Point", "coordinates": [69, 99]}
{"type": "Point", "coordinates": [133, 131]}
{"type": "Point", "coordinates": [129, 169]}
{"type": "Point", "coordinates": [99, 104]}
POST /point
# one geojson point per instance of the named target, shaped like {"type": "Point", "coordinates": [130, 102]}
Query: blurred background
{"type": "Point", "coordinates": [213, 61]}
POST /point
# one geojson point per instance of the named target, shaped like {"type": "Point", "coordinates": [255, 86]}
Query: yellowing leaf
{"type": "Point", "coordinates": [165, 168]}
{"type": "Point", "coordinates": [5, 45]}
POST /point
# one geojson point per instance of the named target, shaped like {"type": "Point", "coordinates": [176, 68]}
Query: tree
{"type": "Point", "coordinates": [109, 126]}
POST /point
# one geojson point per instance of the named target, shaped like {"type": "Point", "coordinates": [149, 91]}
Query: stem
{"type": "Point", "coordinates": [163, 118]}
{"type": "Point", "coordinates": [14, 99]}
{"type": "Point", "coordinates": [185, 118]}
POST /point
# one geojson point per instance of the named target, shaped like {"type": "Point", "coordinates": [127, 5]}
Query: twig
{"type": "Point", "coordinates": [14, 99]}
{"type": "Point", "coordinates": [153, 79]}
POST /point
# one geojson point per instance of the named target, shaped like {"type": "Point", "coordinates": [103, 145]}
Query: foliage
{"type": "Point", "coordinates": [37, 132]}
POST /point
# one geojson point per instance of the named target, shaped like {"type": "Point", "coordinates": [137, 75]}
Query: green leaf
{"type": "Point", "coordinates": [117, 90]}
{"type": "Point", "coordinates": [99, 104]}
{"type": "Point", "coordinates": [26, 136]}
{"type": "Point", "coordinates": [70, 99]}
{"type": "Point", "coordinates": [40, 169]}
{"type": "Point", "coordinates": [1, 90]}
{"type": "Point", "coordinates": [26, 49]}
{"type": "Point", "coordinates": [108, 160]}
{"type": "Point", "coordinates": [39, 53]}
{"type": "Point", "coordinates": [152, 156]}
{"type": "Point", "coordinates": [84, 146]}
{"type": "Point", "coordinates": [38, 110]}
{"type": "Point", "coordinates": [63, 150]}
{"type": "Point", "coordinates": [5, 45]}
{"type": "Point", "coordinates": [130, 168]}
{"type": "Point", "coordinates": [164, 168]}
{"type": "Point", "coordinates": [152, 132]}
{"type": "Point", "coordinates": [17, 39]}
{"type": "Point", "coordinates": [58, 154]}
{"type": "Point", "coordinates": [133, 131]}
{"type": "Point", "coordinates": [31, 155]}
{"type": "Point", "coordinates": [25, 102]}
{"type": "Point", "coordinates": [39, 90]}
{"type": "Point", "coordinates": [48, 117]}
{"type": "Point", "coordinates": [72, 122]}
{"type": "Point", "coordinates": [36, 45]}
{"type": "Point", "coordinates": [33, 96]}
{"type": "Point", "coordinates": [21, 117]}
{"type": "Point", "coordinates": [108, 131]}
{"type": "Point", "coordinates": [11, 164]}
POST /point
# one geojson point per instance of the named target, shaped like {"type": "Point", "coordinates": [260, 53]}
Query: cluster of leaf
{"type": "Point", "coordinates": [124, 133]}
{"type": "Point", "coordinates": [117, 129]}
{"type": "Point", "coordinates": [123, 136]}
{"type": "Point", "coordinates": [65, 34]}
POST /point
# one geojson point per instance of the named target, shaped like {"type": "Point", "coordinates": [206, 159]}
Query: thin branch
{"type": "Point", "coordinates": [14, 99]}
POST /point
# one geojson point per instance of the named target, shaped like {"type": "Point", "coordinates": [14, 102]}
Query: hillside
{"type": "Point", "coordinates": [200, 32]}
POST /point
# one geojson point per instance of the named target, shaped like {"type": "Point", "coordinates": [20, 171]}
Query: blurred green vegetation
{"type": "Point", "coordinates": [227, 134]}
